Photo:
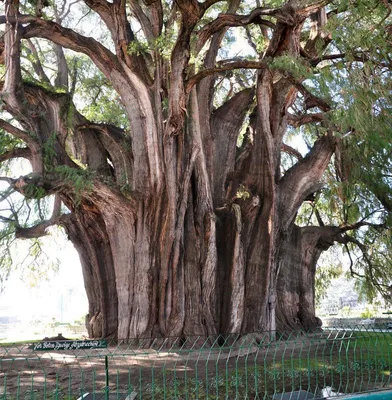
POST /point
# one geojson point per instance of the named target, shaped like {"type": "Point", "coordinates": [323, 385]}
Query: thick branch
{"type": "Point", "coordinates": [6, 179]}
{"type": "Point", "coordinates": [144, 21]}
{"type": "Point", "coordinates": [36, 186]}
{"type": "Point", "coordinates": [318, 38]}
{"type": "Point", "coordinates": [223, 66]}
{"type": "Point", "coordinates": [191, 12]}
{"type": "Point", "coordinates": [360, 224]}
{"type": "Point", "coordinates": [134, 92]}
{"type": "Point", "coordinates": [113, 140]}
{"type": "Point", "coordinates": [13, 130]}
{"type": "Point", "coordinates": [208, 3]}
{"type": "Point", "coordinates": [226, 123]}
{"type": "Point", "coordinates": [217, 38]}
{"type": "Point", "coordinates": [155, 14]}
{"type": "Point", "coordinates": [37, 27]}
{"type": "Point", "coordinates": [304, 177]}
{"type": "Point", "coordinates": [19, 152]}
{"type": "Point", "coordinates": [40, 229]}
{"type": "Point", "coordinates": [34, 147]}
{"type": "Point", "coordinates": [290, 150]}
{"type": "Point", "coordinates": [233, 20]}
{"type": "Point", "coordinates": [286, 15]}
{"type": "Point", "coordinates": [318, 216]}
{"type": "Point", "coordinates": [115, 17]}
{"type": "Point", "coordinates": [329, 57]}
{"type": "Point", "coordinates": [37, 63]}
{"type": "Point", "coordinates": [61, 80]}
{"type": "Point", "coordinates": [297, 121]}
{"type": "Point", "coordinates": [13, 86]}
{"type": "Point", "coordinates": [311, 100]}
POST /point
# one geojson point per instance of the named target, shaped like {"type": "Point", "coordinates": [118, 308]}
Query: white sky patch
{"type": "Point", "coordinates": [62, 297]}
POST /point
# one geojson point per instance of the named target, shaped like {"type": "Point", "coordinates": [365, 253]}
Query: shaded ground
{"type": "Point", "coordinates": [219, 368]}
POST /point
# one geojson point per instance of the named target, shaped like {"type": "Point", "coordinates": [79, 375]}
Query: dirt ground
{"type": "Point", "coordinates": [234, 371]}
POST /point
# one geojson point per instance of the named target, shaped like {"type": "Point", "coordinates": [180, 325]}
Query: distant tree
{"type": "Point", "coordinates": [368, 313]}
{"type": "Point", "coordinates": [170, 156]}
{"type": "Point", "coordinates": [345, 311]}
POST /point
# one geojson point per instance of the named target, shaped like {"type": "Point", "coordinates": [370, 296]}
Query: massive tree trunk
{"type": "Point", "coordinates": [179, 231]}
{"type": "Point", "coordinates": [296, 283]}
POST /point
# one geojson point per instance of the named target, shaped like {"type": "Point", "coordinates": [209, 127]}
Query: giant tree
{"type": "Point", "coordinates": [191, 212]}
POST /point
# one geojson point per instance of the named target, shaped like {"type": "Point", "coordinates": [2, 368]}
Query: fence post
{"type": "Point", "coordinates": [107, 378]}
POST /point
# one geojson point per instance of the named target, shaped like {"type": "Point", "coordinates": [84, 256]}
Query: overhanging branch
{"type": "Point", "coordinates": [13, 130]}
{"type": "Point", "coordinates": [19, 152]}
{"type": "Point", "coordinates": [311, 100]}
{"type": "Point", "coordinates": [235, 20]}
{"type": "Point", "coordinates": [345, 239]}
{"type": "Point", "coordinates": [297, 121]}
{"type": "Point", "coordinates": [286, 14]}
{"type": "Point", "coordinates": [114, 14]}
{"type": "Point", "coordinates": [40, 229]}
{"type": "Point", "coordinates": [290, 150]}
{"type": "Point", "coordinates": [223, 66]}
{"type": "Point", "coordinates": [360, 224]}
{"type": "Point", "coordinates": [37, 27]}
{"type": "Point", "coordinates": [25, 183]}
{"type": "Point", "coordinates": [305, 176]}
{"type": "Point", "coordinates": [208, 3]}
{"type": "Point", "coordinates": [36, 63]}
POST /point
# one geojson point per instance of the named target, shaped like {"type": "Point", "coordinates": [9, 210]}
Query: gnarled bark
{"type": "Point", "coordinates": [180, 231]}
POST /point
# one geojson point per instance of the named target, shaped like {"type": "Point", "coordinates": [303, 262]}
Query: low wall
{"type": "Point", "coordinates": [327, 321]}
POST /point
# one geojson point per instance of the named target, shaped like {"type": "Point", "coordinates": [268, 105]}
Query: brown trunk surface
{"type": "Point", "coordinates": [182, 233]}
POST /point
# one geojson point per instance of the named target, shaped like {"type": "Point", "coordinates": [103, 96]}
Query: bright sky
{"type": "Point", "coordinates": [62, 297]}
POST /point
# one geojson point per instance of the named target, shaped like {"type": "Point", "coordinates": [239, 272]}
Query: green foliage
{"type": "Point", "coordinates": [28, 258]}
{"type": "Point", "coordinates": [32, 191]}
{"type": "Point", "coordinates": [293, 66]}
{"type": "Point", "coordinates": [368, 313]}
{"type": "Point", "coordinates": [95, 98]}
{"type": "Point", "coordinates": [163, 44]}
{"type": "Point", "coordinates": [358, 182]}
{"type": "Point", "coordinates": [327, 270]}
{"type": "Point", "coordinates": [6, 260]}
{"type": "Point", "coordinates": [137, 48]}
{"type": "Point", "coordinates": [345, 311]}
{"type": "Point", "coordinates": [49, 153]}
{"type": "Point", "coordinates": [37, 266]}
{"type": "Point", "coordinates": [8, 143]}
{"type": "Point", "coordinates": [79, 179]}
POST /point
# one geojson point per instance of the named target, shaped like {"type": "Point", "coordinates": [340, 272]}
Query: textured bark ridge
{"type": "Point", "coordinates": [182, 232]}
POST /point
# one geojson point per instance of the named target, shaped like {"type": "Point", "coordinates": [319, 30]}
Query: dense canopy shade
{"type": "Point", "coordinates": [200, 155]}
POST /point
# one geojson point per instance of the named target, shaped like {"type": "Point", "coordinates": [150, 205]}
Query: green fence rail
{"type": "Point", "coordinates": [255, 366]}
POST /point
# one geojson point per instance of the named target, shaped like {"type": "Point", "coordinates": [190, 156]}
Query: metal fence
{"type": "Point", "coordinates": [256, 366]}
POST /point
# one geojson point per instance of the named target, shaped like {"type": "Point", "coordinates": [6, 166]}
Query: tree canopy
{"type": "Point", "coordinates": [199, 155]}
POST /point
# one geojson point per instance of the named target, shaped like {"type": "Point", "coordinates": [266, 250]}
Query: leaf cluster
{"type": "Point", "coordinates": [79, 179]}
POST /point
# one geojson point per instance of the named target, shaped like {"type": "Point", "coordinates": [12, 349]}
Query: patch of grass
{"type": "Point", "coordinates": [360, 361]}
